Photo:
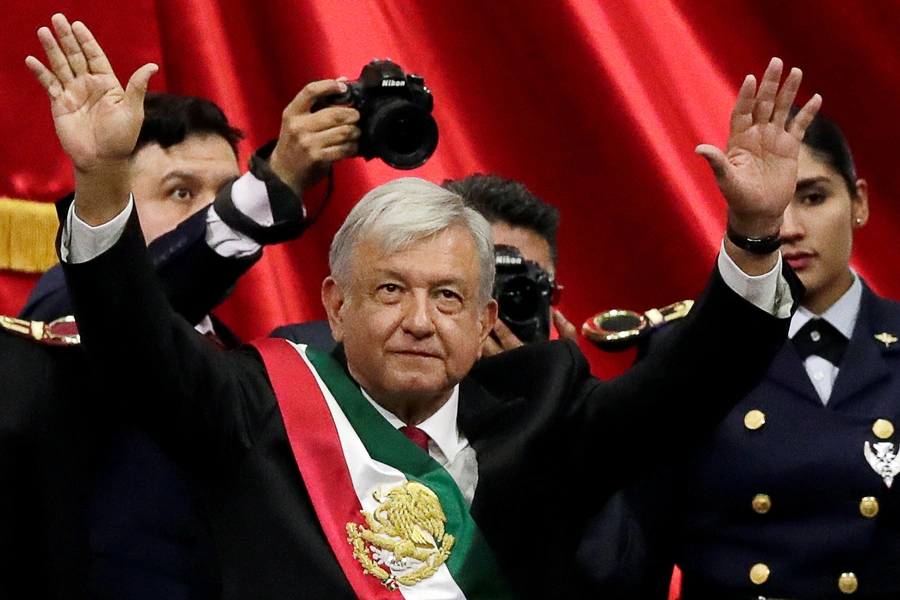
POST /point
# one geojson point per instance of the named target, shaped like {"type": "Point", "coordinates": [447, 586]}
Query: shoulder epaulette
{"type": "Point", "coordinates": [60, 332]}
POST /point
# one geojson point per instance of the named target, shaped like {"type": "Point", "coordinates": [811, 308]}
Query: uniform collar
{"type": "Point", "coordinates": [842, 314]}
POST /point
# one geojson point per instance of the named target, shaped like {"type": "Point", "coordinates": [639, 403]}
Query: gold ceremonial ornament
{"type": "Point", "coordinates": [761, 503]}
{"type": "Point", "coordinates": [883, 429]}
{"type": "Point", "coordinates": [759, 573]}
{"type": "Point", "coordinates": [886, 339]}
{"type": "Point", "coordinates": [403, 540]}
{"type": "Point", "coordinates": [754, 419]}
{"type": "Point", "coordinates": [61, 332]}
{"type": "Point", "coordinates": [848, 583]}
{"type": "Point", "coordinates": [868, 507]}
{"type": "Point", "coordinates": [616, 330]}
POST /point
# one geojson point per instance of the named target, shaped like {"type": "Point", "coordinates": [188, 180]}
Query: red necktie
{"type": "Point", "coordinates": [418, 437]}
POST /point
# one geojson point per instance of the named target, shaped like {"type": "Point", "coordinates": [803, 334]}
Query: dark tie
{"type": "Point", "coordinates": [821, 338]}
{"type": "Point", "coordinates": [419, 437]}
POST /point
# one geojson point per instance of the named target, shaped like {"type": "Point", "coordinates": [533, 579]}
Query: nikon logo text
{"type": "Point", "coordinates": [392, 83]}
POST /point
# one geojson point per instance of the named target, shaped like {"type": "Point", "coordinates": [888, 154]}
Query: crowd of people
{"type": "Point", "coordinates": [412, 444]}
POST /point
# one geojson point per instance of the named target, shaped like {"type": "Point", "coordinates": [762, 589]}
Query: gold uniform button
{"type": "Point", "coordinates": [868, 507]}
{"type": "Point", "coordinates": [883, 428]}
{"type": "Point", "coordinates": [754, 419]}
{"type": "Point", "coordinates": [759, 573]}
{"type": "Point", "coordinates": [762, 503]}
{"type": "Point", "coordinates": [848, 583]}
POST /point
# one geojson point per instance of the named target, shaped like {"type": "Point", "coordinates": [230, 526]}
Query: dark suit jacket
{"type": "Point", "coordinates": [312, 333]}
{"type": "Point", "coordinates": [552, 442]}
{"type": "Point", "coordinates": [47, 418]}
{"type": "Point", "coordinates": [808, 458]}
{"type": "Point", "coordinates": [148, 534]}
{"type": "Point", "coordinates": [194, 277]}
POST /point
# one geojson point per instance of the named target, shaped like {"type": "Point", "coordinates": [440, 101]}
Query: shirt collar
{"type": "Point", "coordinates": [842, 314]}
{"type": "Point", "coordinates": [440, 427]}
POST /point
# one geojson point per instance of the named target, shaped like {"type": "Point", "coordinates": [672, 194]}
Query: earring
{"type": "Point", "coordinates": [858, 221]}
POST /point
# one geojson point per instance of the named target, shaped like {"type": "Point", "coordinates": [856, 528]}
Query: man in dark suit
{"type": "Point", "coordinates": [147, 527]}
{"type": "Point", "coordinates": [292, 445]}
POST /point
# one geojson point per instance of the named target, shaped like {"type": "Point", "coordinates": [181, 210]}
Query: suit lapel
{"type": "Point", "coordinates": [478, 408]}
{"type": "Point", "coordinates": [485, 421]}
{"type": "Point", "coordinates": [864, 363]}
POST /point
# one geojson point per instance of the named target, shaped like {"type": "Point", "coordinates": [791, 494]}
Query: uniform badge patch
{"type": "Point", "coordinates": [403, 541]}
{"type": "Point", "coordinates": [886, 339]}
{"type": "Point", "coordinates": [883, 460]}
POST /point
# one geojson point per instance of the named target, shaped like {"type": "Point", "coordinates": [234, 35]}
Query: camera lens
{"type": "Point", "coordinates": [519, 299]}
{"type": "Point", "coordinates": [403, 134]}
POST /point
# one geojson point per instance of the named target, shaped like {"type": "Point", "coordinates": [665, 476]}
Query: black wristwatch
{"type": "Point", "coordinates": [763, 245]}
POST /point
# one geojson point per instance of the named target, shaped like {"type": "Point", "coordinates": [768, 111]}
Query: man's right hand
{"type": "Point", "coordinates": [97, 121]}
{"type": "Point", "coordinates": [310, 142]}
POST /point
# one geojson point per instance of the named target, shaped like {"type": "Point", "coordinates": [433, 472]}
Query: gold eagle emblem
{"type": "Point", "coordinates": [403, 541]}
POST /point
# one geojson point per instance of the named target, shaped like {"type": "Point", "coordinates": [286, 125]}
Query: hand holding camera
{"type": "Point", "coordinates": [310, 142]}
{"type": "Point", "coordinates": [394, 114]}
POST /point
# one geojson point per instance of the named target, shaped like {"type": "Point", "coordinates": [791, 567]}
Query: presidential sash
{"type": "Point", "coordinates": [393, 516]}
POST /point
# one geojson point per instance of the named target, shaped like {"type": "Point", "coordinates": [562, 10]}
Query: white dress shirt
{"type": "Point", "coordinates": [842, 315]}
{"type": "Point", "coordinates": [448, 446]}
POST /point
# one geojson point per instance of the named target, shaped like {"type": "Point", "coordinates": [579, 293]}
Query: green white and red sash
{"type": "Point", "coordinates": [346, 452]}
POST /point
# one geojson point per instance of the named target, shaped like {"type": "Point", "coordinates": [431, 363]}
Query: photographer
{"type": "Point", "coordinates": [519, 219]}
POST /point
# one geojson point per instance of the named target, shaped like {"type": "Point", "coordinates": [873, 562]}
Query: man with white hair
{"type": "Point", "coordinates": [394, 465]}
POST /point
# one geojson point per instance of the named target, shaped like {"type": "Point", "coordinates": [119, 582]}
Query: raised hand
{"type": "Point", "coordinates": [757, 173]}
{"type": "Point", "coordinates": [96, 120]}
{"type": "Point", "coordinates": [310, 142]}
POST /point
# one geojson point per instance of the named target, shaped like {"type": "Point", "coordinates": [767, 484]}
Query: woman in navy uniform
{"type": "Point", "coordinates": [794, 496]}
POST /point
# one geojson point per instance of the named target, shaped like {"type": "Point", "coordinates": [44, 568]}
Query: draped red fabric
{"type": "Point", "coordinates": [595, 105]}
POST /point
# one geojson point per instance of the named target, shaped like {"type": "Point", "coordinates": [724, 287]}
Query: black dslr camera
{"type": "Point", "coordinates": [394, 114]}
{"type": "Point", "coordinates": [523, 291]}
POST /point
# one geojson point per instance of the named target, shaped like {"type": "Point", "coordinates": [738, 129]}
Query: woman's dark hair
{"type": "Point", "coordinates": [828, 142]}
{"type": "Point", "coordinates": [169, 119]}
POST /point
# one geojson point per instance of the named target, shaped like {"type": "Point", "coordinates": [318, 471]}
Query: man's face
{"type": "Point", "coordinates": [170, 184]}
{"type": "Point", "coordinates": [818, 230]}
{"type": "Point", "coordinates": [532, 246]}
{"type": "Point", "coordinates": [411, 322]}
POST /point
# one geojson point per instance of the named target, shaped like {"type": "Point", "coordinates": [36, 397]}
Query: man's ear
{"type": "Point", "coordinates": [488, 318]}
{"type": "Point", "coordinates": [860, 208]}
{"type": "Point", "coordinates": [333, 299]}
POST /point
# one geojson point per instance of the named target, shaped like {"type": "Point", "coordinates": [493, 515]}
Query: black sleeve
{"type": "Point", "coordinates": [672, 399]}
{"type": "Point", "coordinates": [658, 409]}
{"type": "Point", "coordinates": [287, 208]}
{"type": "Point", "coordinates": [202, 405]}
{"type": "Point", "coordinates": [193, 277]}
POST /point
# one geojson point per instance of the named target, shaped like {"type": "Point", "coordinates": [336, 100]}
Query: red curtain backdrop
{"type": "Point", "coordinates": [595, 105]}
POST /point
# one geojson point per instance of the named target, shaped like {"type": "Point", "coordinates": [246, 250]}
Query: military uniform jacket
{"type": "Point", "coordinates": [48, 418]}
{"type": "Point", "coordinates": [796, 493]}
{"type": "Point", "coordinates": [552, 442]}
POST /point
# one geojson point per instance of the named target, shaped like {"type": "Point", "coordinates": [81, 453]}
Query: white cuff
{"type": "Point", "coordinates": [770, 292]}
{"type": "Point", "coordinates": [250, 197]}
{"type": "Point", "coordinates": [80, 242]}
